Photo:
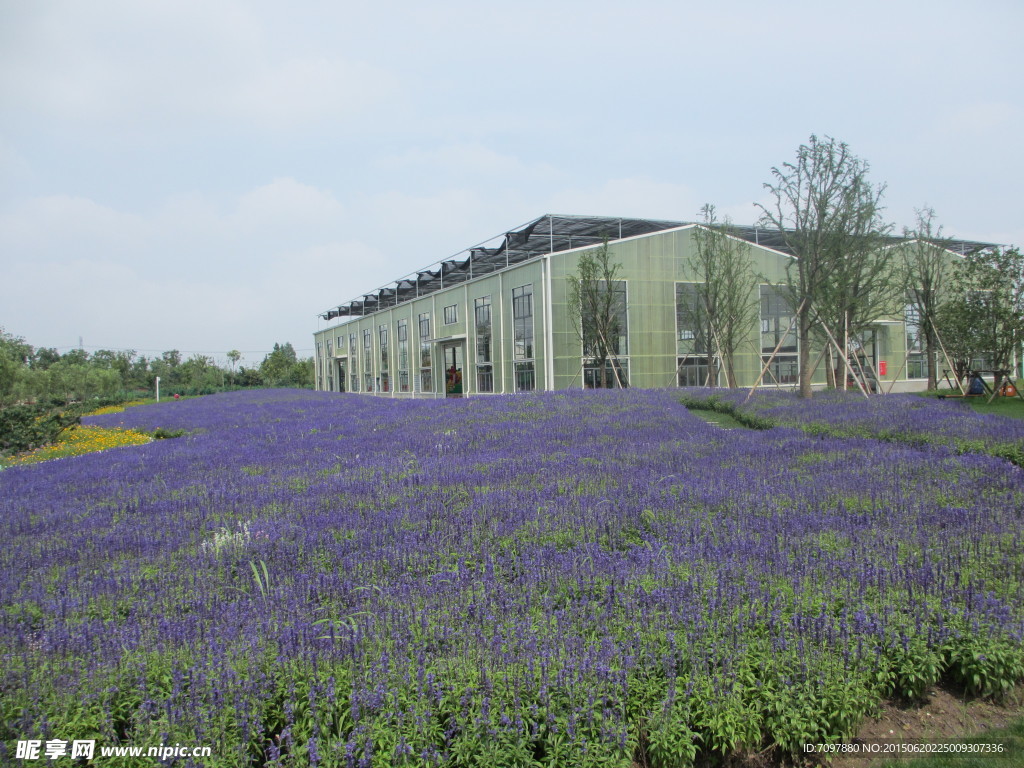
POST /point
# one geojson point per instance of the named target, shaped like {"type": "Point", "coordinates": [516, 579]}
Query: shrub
{"type": "Point", "coordinates": [24, 427]}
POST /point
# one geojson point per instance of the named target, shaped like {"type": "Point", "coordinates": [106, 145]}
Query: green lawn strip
{"type": "Point", "coordinates": [1011, 407]}
{"type": "Point", "coordinates": [716, 409]}
{"type": "Point", "coordinates": [1010, 740]}
{"type": "Point", "coordinates": [720, 418]}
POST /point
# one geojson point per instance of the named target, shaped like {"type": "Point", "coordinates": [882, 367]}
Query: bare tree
{"type": "Point", "coordinates": [927, 267]}
{"type": "Point", "coordinates": [829, 216]}
{"type": "Point", "coordinates": [725, 279]}
{"type": "Point", "coordinates": [597, 307]}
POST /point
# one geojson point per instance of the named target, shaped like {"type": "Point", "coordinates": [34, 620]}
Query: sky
{"type": "Point", "coordinates": [209, 175]}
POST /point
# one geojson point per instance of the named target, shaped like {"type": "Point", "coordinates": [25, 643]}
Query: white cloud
{"type": "Point", "coordinates": [287, 211]}
{"type": "Point", "coordinates": [144, 67]}
{"type": "Point", "coordinates": [262, 162]}
{"type": "Point", "coordinates": [62, 226]}
{"type": "Point", "coordinates": [192, 273]}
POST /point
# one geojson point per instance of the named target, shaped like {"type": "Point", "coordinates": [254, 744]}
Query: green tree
{"type": "Point", "coordinates": [13, 354]}
{"type": "Point", "coordinates": [302, 373]}
{"type": "Point", "coordinates": [960, 333]}
{"type": "Point", "coordinates": [829, 216]}
{"type": "Point", "coordinates": [139, 374]}
{"type": "Point", "coordinates": [597, 310]}
{"type": "Point", "coordinates": [200, 372]}
{"type": "Point", "coordinates": [986, 320]}
{"type": "Point", "coordinates": [75, 357]}
{"type": "Point", "coordinates": [248, 377]}
{"type": "Point", "coordinates": [119, 361]}
{"type": "Point", "coordinates": [277, 367]}
{"type": "Point", "coordinates": [725, 279]}
{"type": "Point", "coordinates": [44, 357]}
{"type": "Point", "coordinates": [166, 367]}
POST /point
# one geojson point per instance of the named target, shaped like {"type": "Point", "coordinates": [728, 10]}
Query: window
{"type": "Point", "coordinates": [353, 362]}
{"type": "Point", "coordinates": [605, 334]}
{"type": "Point", "coordinates": [367, 360]}
{"type": "Point", "coordinates": [522, 328]}
{"type": "Point", "coordinates": [484, 364]}
{"type": "Point", "coordinates": [385, 368]}
{"type": "Point", "coordinates": [403, 355]}
{"type": "Point", "coordinates": [328, 363]}
{"type": "Point", "coordinates": [692, 371]}
{"type": "Point", "coordinates": [917, 361]}
{"type": "Point", "coordinates": [522, 321]}
{"type": "Point", "coordinates": [692, 336]}
{"type": "Point", "coordinates": [319, 365]}
{"type": "Point", "coordinates": [426, 377]}
{"type": "Point", "coordinates": [524, 373]}
{"type": "Point", "coordinates": [776, 314]}
{"type": "Point", "coordinates": [451, 314]}
{"type": "Point", "coordinates": [615, 374]}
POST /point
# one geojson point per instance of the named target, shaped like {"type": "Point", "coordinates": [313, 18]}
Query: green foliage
{"type": "Point", "coordinates": [909, 672]}
{"type": "Point", "coordinates": [983, 666]}
{"type": "Point", "coordinates": [714, 404]}
{"type": "Point", "coordinates": [24, 427]}
{"type": "Point", "coordinates": [43, 375]}
{"type": "Point", "coordinates": [13, 355]}
{"type": "Point", "coordinates": [282, 368]}
{"type": "Point", "coordinates": [985, 320]}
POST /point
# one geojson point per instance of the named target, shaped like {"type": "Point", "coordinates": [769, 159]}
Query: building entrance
{"type": "Point", "coordinates": [453, 364]}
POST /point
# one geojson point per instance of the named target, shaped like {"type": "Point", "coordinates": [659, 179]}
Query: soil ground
{"type": "Point", "coordinates": [945, 717]}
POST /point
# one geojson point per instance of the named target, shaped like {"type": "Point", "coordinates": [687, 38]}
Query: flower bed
{"type": "Point", "coordinates": [584, 578]}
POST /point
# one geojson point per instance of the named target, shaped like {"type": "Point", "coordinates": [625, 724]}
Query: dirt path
{"type": "Point", "coordinates": [945, 717]}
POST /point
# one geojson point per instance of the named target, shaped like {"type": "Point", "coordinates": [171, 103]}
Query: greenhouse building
{"type": "Point", "coordinates": [496, 318]}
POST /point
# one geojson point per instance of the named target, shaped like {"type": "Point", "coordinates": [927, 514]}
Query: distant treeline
{"type": "Point", "coordinates": [43, 375]}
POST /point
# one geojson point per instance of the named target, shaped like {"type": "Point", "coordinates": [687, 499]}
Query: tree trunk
{"type": "Point", "coordinates": [932, 361]}
{"type": "Point", "coordinates": [804, 355]}
{"type": "Point", "coordinates": [730, 372]}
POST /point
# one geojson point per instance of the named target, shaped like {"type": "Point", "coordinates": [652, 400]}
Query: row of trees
{"type": "Point", "coordinates": [29, 374]}
{"type": "Point", "coordinates": [849, 272]}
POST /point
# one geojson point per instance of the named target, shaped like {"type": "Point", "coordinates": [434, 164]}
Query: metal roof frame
{"type": "Point", "coordinates": [547, 234]}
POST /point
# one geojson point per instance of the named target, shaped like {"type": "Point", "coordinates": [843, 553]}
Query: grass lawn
{"type": "Point", "coordinates": [1001, 406]}
{"type": "Point", "coordinates": [724, 420]}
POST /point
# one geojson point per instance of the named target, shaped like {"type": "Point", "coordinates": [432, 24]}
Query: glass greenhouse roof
{"type": "Point", "coordinates": [550, 233]}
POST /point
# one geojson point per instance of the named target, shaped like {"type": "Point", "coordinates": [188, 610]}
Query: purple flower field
{"type": "Point", "coordinates": [573, 578]}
